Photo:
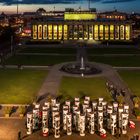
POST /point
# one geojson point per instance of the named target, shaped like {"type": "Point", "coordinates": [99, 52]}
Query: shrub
{"type": "Point", "coordinates": [136, 101]}
{"type": "Point", "coordinates": [137, 111]}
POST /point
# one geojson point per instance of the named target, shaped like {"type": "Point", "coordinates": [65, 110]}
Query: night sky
{"type": "Point", "coordinates": [9, 6]}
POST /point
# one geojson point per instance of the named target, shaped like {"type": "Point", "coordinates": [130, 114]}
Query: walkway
{"type": "Point", "coordinates": [52, 81]}
{"type": "Point", "coordinates": [51, 84]}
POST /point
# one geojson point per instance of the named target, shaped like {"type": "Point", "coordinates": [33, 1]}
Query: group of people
{"type": "Point", "coordinates": [115, 91]}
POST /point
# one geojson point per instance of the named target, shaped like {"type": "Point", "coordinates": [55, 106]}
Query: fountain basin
{"type": "Point", "coordinates": [75, 68]}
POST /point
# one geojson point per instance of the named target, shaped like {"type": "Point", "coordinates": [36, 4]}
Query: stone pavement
{"type": "Point", "coordinates": [9, 129]}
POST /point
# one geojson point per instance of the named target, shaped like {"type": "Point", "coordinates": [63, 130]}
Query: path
{"type": "Point", "coordinates": [52, 81]}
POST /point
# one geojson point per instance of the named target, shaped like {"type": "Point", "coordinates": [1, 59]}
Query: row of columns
{"type": "Point", "coordinates": [85, 32]}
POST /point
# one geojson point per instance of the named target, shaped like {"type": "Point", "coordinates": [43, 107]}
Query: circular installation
{"type": "Point", "coordinates": [78, 68]}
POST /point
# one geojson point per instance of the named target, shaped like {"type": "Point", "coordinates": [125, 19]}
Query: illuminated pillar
{"type": "Point", "coordinates": [82, 125]}
{"type": "Point", "coordinates": [57, 126]}
{"type": "Point", "coordinates": [52, 32]}
{"type": "Point", "coordinates": [119, 33]}
{"type": "Point", "coordinates": [93, 32]}
{"type": "Point", "coordinates": [44, 31]}
{"type": "Point", "coordinates": [91, 123]}
{"type": "Point", "coordinates": [114, 32]}
{"type": "Point", "coordinates": [57, 32]}
{"type": "Point", "coordinates": [98, 32]}
{"type": "Point", "coordinates": [109, 31]}
{"type": "Point", "coordinates": [29, 123]}
{"type": "Point", "coordinates": [124, 117]}
{"type": "Point", "coordinates": [45, 123]}
{"type": "Point", "coordinates": [34, 31]}
{"type": "Point", "coordinates": [113, 123]}
{"type": "Point", "coordinates": [68, 32]}
{"type": "Point", "coordinates": [39, 31]}
{"type": "Point", "coordinates": [69, 123]}
{"type": "Point", "coordinates": [83, 32]}
{"type": "Point", "coordinates": [88, 32]}
{"type": "Point", "coordinates": [103, 32]}
{"type": "Point", "coordinates": [124, 32]}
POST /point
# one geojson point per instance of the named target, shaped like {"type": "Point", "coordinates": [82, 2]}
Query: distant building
{"type": "Point", "coordinates": [81, 25]}
{"type": "Point", "coordinates": [113, 15]}
{"type": "Point", "coordinates": [4, 21]}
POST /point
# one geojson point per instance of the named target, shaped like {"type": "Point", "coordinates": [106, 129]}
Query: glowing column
{"type": "Point", "coordinates": [91, 123]}
{"type": "Point", "coordinates": [54, 113]}
{"type": "Point", "coordinates": [124, 122]}
{"type": "Point", "coordinates": [45, 123]}
{"type": "Point", "coordinates": [82, 125]}
{"type": "Point", "coordinates": [69, 123]}
{"type": "Point", "coordinates": [126, 108]}
{"type": "Point", "coordinates": [120, 111]}
{"type": "Point", "coordinates": [68, 104]}
{"type": "Point", "coordinates": [100, 100]}
{"type": "Point", "coordinates": [57, 126]}
{"type": "Point", "coordinates": [113, 123]}
{"type": "Point", "coordinates": [115, 107]}
{"type": "Point", "coordinates": [77, 113]}
{"type": "Point", "coordinates": [65, 112]}
{"type": "Point", "coordinates": [29, 123]}
{"type": "Point", "coordinates": [35, 119]}
{"type": "Point", "coordinates": [74, 108]}
{"type": "Point", "coordinates": [109, 113]}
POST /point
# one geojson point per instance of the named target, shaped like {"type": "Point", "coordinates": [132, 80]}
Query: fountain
{"type": "Point", "coordinates": [81, 66]}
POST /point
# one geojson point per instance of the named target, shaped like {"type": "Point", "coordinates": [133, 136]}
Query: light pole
{"type": "Point", "coordinates": [89, 5]}
{"type": "Point", "coordinates": [17, 7]}
{"type": "Point", "coordinates": [11, 44]}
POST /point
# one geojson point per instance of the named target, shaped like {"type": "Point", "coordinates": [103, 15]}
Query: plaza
{"type": "Point", "coordinates": [67, 86]}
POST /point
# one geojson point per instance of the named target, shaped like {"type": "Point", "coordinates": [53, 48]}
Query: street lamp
{"type": "Point", "coordinates": [11, 44]}
{"type": "Point", "coordinates": [89, 5]}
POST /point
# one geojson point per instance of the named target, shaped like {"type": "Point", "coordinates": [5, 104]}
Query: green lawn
{"type": "Point", "coordinates": [132, 79]}
{"type": "Point", "coordinates": [59, 50]}
{"type": "Point", "coordinates": [20, 86]}
{"type": "Point", "coordinates": [78, 87]}
{"type": "Point", "coordinates": [38, 59]}
{"type": "Point", "coordinates": [113, 50]}
{"type": "Point", "coordinates": [123, 61]}
{"type": "Point", "coordinates": [68, 50]}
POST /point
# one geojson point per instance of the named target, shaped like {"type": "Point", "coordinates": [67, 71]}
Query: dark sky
{"type": "Point", "coordinates": [101, 5]}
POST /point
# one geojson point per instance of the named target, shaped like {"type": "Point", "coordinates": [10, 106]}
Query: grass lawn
{"type": "Point", "coordinates": [20, 86]}
{"type": "Point", "coordinates": [130, 61]}
{"type": "Point", "coordinates": [60, 50]}
{"type": "Point", "coordinates": [78, 87]}
{"type": "Point", "coordinates": [132, 79]}
{"type": "Point", "coordinates": [113, 51]}
{"type": "Point", "coordinates": [38, 59]}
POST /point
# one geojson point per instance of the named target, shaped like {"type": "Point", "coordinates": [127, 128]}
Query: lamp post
{"type": "Point", "coordinates": [17, 7]}
{"type": "Point", "coordinates": [11, 44]}
{"type": "Point", "coordinates": [89, 5]}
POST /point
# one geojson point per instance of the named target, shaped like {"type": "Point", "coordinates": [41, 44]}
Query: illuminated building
{"type": "Point", "coordinates": [113, 15]}
{"type": "Point", "coordinates": [79, 25]}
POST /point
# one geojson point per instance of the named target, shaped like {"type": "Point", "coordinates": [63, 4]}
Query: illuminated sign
{"type": "Point", "coordinates": [80, 16]}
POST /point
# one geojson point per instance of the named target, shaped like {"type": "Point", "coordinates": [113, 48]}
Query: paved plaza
{"type": "Point", "coordinates": [9, 129]}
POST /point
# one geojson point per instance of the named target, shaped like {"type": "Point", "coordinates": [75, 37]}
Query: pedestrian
{"type": "Point", "coordinates": [19, 135]}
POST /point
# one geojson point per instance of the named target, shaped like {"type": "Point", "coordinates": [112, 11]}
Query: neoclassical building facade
{"type": "Point", "coordinates": [80, 25]}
